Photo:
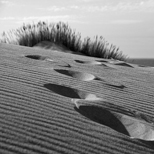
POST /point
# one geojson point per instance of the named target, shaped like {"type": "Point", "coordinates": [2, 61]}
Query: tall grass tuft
{"type": "Point", "coordinates": [61, 33]}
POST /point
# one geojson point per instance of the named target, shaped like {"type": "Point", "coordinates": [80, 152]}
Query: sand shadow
{"type": "Point", "coordinates": [103, 117]}
{"type": "Point", "coordinates": [79, 75]}
{"type": "Point", "coordinates": [90, 62]}
{"type": "Point", "coordinates": [87, 77]}
{"type": "Point", "coordinates": [120, 86]}
{"type": "Point", "coordinates": [75, 94]}
{"type": "Point", "coordinates": [63, 91]}
{"type": "Point", "coordinates": [120, 63]}
{"type": "Point", "coordinates": [104, 61]}
{"type": "Point", "coordinates": [149, 144]}
{"type": "Point", "coordinates": [47, 59]}
{"type": "Point", "coordinates": [96, 63]}
{"type": "Point", "coordinates": [123, 64]}
{"type": "Point", "coordinates": [63, 64]}
{"type": "Point", "coordinates": [36, 57]}
{"type": "Point", "coordinates": [117, 118]}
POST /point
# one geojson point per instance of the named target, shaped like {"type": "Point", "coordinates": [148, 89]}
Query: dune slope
{"type": "Point", "coordinates": [56, 102]}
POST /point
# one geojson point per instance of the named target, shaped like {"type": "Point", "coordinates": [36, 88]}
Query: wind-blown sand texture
{"type": "Point", "coordinates": [56, 102]}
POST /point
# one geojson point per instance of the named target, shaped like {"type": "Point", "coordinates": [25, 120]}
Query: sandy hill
{"type": "Point", "coordinates": [56, 102]}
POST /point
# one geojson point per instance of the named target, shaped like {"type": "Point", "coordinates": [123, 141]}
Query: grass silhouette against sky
{"type": "Point", "coordinates": [60, 33]}
{"type": "Point", "coordinates": [126, 23]}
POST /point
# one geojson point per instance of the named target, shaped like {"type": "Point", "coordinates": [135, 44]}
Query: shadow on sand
{"type": "Point", "coordinates": [107, 118]}
{"type": "Point", "coordinates": [103, 117]}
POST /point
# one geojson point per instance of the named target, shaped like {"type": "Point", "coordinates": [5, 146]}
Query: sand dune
{"type": "Point", "coordinates": [54, 47]}
{"type": "Point", "coordinates": [56, 102]}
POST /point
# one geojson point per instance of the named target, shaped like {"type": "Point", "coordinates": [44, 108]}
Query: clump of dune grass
{"type": "Point", "coordinates": [61, 33]}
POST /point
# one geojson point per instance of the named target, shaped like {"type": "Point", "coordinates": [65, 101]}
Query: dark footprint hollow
{"type": "Point", "coordinates": [79, 75]}
{"type": "Point", "coordinates": [94, 63]}
{"type": "Point", "coordinates": [62, 90]}
{"type": "Point", "coordinates": [89, 62]}
{"type": "Point", "coordinates": [39, 57]}
{"type": "Point", "coordinates": [63, 64]}
{"type": "Point", "coordinates": [103, 117]}
{"type": "Point", "coordinates": [125, 124]}
{"type": "Point", "coordinates": [70, 92]}
{"type": "Point", "coordinates": [104, 61]}
{"type": "Point", "coordinates": [36, 57]}
{"type": "Point", "coordinates": [116, 63]}
{"type": "Point", "coordinates": [122, 64]}
{"type": "Point", "coordinates": [120, 86]}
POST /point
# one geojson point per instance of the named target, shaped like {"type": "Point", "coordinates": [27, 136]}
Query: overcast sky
{"type": "Point", "coordinates": [128, 24]}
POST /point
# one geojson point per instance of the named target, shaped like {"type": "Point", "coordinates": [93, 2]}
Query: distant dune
{"type": "Point", "coordinates": [54, 102]}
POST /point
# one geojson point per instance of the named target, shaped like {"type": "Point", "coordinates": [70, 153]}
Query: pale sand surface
{"type": "Point", "coordinates": [54, 47]}
{"type": "Point", "coordinates": [56, 102]}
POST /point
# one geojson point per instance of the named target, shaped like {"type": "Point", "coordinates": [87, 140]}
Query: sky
{"type": "Point", "coordinates": [128, 24]}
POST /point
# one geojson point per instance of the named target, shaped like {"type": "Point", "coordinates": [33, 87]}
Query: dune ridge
{"type": "Point", "coordinates": [37, 115]}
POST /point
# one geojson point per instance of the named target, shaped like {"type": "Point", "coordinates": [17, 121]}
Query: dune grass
{"type": "Point", "coordinates": [61, 33]}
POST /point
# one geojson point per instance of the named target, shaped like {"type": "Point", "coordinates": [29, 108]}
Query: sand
{"type": "Point", "coordinates": [57, 102]}
{"type": "Point", "coordinates": [54, 47]}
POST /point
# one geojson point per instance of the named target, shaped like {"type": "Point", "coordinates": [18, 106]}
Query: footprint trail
{"type": "Point", "coordinates": [122, 122]}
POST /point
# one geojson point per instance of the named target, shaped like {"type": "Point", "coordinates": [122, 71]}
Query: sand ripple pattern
{"type": "Point", "coordinates": [121, 122]}
{"type": "Point", "coordinates": [71, 92]}
{"type": "Point", "coordinates": [88, 77]}
{"type": "Point", "coordinates": [47, 59]}
{"type": "Point", "coordinates": [38, 112]}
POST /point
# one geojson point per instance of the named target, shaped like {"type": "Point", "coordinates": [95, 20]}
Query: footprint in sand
{"type": "Point", "coordinates": [36, 57]}
{"type": "Point", "coordinates": [123, 64]}
{"type": "Point", "coordinates": [104, 61]}
{"type": "Point", "coordinates": [72, 93]}
{"type": "Point", "coordinates": [97, 63]}
{"type": "Point", "coordinates": [88, 77]}
{"type": "Point", "coordinates": [122, 122]}
{"type": "Point", "coordinates": [39, 57]}
{"type": "Point", "coordinates": [115, 84]}
{"type": "Point", "coordinates": [79, 75]}
{"type": "Point", "coordinates": [116, 62]}
{"type": "Point", "coordinates": [90, 62]}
